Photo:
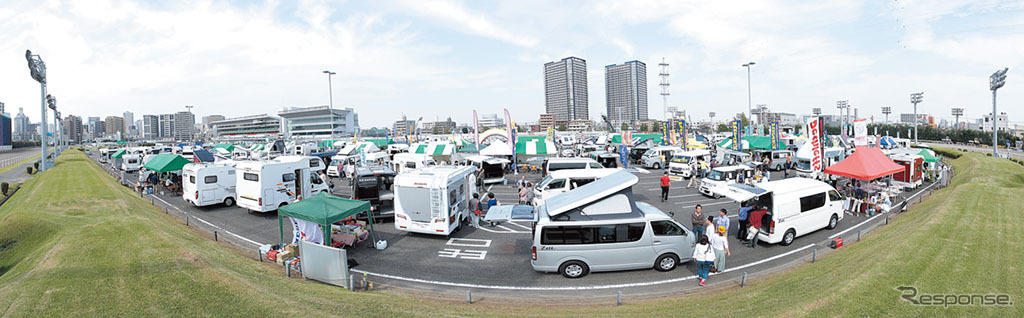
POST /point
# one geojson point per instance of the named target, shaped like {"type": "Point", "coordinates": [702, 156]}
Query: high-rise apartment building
{"type": "Point", "coordinates": [565, 89]}
{"type": "Point", "coordinates": [21, 127]}
{"type": "Point", "coordinates": [73, 128]}
{"type": "Point", "coordinates": [166, 129]}
{"type": "Point", "coordinates": [114, 127]}
{"type": "Point", "coordinates": [184, 125]}
{"type": "Point", "coordinates": [150, 127]}
{"type": "Point", "coordinates": [626, 92]}
{"type": "Point", "coordinates": [129, 124]}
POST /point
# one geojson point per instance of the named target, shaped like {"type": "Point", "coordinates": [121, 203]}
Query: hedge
{"type": "Point", "coordinates": [952, 154]}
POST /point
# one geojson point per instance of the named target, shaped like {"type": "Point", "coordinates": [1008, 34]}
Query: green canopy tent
{"type": "Point", "coordinates": [381, 142]}
{"type": "Point", "coordinates": [928, 157]}
{"type": "Point", "coordinates": [165, 162]}
{"type": "Point", "coordinates": [120, 153]}
{"type": "Point", "coordinates": [753, 143]}
{"type": "Point", "coordinates": [470, 148]}
{"type": "Point", "coordinates": [121, 142]}
{"type": "Point", "coordinates": [324, 209]}
{"type": "Point", "coordinates": [535, 148]}
{"type": "Point", "coordinates": [228, 147]}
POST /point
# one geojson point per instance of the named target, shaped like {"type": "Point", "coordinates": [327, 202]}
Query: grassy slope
{"type": "Point", "coordinates": [96, 249]}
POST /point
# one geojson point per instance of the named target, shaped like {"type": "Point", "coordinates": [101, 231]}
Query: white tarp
{"type": "Point", "coordinates": [324, 263]}
{"type": "Point", "coordinates": [303, 230]}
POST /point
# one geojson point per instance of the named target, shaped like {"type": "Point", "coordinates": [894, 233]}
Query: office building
{"type": "Point", "coordinates": [784, 119]}
{"type": "Point", "coordinates": [1002, 122]}
{"type": "Point", "coordinates": [546, 121]}
{"type": "Point", "coordinates": [114, 127]}
{"type": "Point", "coordinates": [6, 131]}
{"type": "Point", "coordinates": [20, 127]}
{"type": "Point", "coordinates": [73, 128]}
{"type": "Point", "coordinates": [490, 121]}
{"type": "Point", "coordinates": [166, 127]}
{"type": "Point", "coordinates": [403, 127]}
{"type": "Point", "coordinates": [316, 121]}
{"type": "Point", "coordinates": [252, 125]}
{"type": "Point", "coordinates": [565, 89]}
{"type": "Point", "coordinates": [129, 125]}
{"type": "Point", "coordinates": [626, 92]}
{"type": "Point", "coordinates": [580, 125]}
{"type": "Point", "coordinates": [439, 127]}
{"type": "Point", "coordinates": [184, 125]}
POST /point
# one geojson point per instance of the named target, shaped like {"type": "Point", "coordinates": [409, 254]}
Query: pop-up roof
{"type": "Point", "coordinates": [591, 193]}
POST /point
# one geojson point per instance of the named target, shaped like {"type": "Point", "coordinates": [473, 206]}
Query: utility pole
{"type": "Point", "coordinates": [330, 92]}
{"type": "Point", "coordinates": [997, 80]}
{"type": "Point", "coordinates": [957, 112]}
{"type": "Point", "coordinates": [750, 108]}
{"type": "Point", "coordinates": [191, 133]}
{"type": "Point", "coordinates": [886, 110]}
{"type": "Point", "coordinates": [916, 98]}
{"type": "Point", "coordinates": [664, 86]}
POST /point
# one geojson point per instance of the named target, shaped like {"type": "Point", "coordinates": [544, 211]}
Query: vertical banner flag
{"type": "Point", "coordinates": [664, 133]}
{"type": "Point", "coordinates": [773, 132]}
{"type": "Point", "coordinates": [624, 156]}
{"type": "Point", "coordinates": [476, 132]}
{"type": "Point", "coordinates": [683, 137]}
{"type": "Point", "coordinates": [551, 134]}
{"type": "Point", "coordinates": [860, 132]}
{"type": "Point", "coordinates": [509, 128]}
{"type": "Point", "coordinates": [814, 135]}
{"type": "Point", "coordinates": [737, 136]}
{"type": "Point", "coordinates": [627, 137]}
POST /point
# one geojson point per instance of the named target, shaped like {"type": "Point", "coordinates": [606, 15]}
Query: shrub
{"type": "Point", "coordinates": [952, 154]}
{"type": "Point", "coordinates": [28, 170]}
{"type": "Point", "coordinates": [3, 187]}
{"type": "Point", "coordinates": [36, 165]}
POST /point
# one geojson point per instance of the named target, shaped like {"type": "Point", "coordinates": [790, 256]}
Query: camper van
{"type": "Point", "coordinates": [266, 185]}
{"type": "Point", "coordinates": [910, 176]}
{"type": "Point", "coordinates": [374, 184]}
{"type": "Point", "coordinates": [188, 153]}
{"type": "Point", "coordinates": [131, 162]}
{"type": "Point", "coordinates": [563, 181]}
{"type": "Point", "coordinates": [679, 165]}
{"type": "Point", "coordinates": [832, 155]}
{"type": "Point", "coordinates": [434, 200]}
{"type": "Point", "coordinates": [600, 227]}
{"type": "Point", "coordinates": [554, 164]}
{"type": "Point", "coordinates": [405, 161]}
{"type": "Point", "coordinates": [776, 158]}
{"type": "Point", "coordinates": [206, 184]}
{"type": "Point", "coordinates": [720, 178]}
{"type": "Point", "coordinates": [652, 158]}
{"type": "Point", "coordinates": [728, 157]}
{"type": "Point", "coordinates": [493, 168]}
{"type": "Point", "coordinates": [796, 207]}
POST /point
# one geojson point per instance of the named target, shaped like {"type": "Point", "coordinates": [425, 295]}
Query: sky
{"type": "Point", "coordinates": [439, 59]}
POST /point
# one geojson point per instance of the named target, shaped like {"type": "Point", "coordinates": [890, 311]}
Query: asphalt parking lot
{"type": "Point", "coordinates": [496, 260]}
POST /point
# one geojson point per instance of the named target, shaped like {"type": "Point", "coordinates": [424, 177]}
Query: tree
{"type": "Point", "coordinates": [625, 126]}
{"type": "Point", "coordinates": [743, 120]}
{"type": "Point", "coordinates": [3, 187]}
{"type": "Point", "coordinates": [643, 127]}
{"type": "Point", "coordinates": [722, 128]}
{"type": "Point", "coordinates": [465, 130]}
{"type": "Point", "coordinates": [561, 127]}
{"type": "Point", "coordinates": [434, 130]}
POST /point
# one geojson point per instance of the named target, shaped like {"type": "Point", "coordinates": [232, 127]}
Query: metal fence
{"type": "Point", "coordinates": [16, 159]}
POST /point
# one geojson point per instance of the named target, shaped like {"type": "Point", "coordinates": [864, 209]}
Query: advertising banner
{"type": "Point", "coordinates": [624, 156]}
{"type": "Point", "coordinates": [814, 135]}
{"type": "Point", "coordinates": [737, 136]}
{"type": "Point", "coordinates": [664, 133]}
{"type": "Point", "coordinates": [860, 132]}
{"type": "Point", "coordinates": [773, 131]}
{"type": "Point", "coordinates": [682, 134]}
{"type": "Point", "coordinates": [476, 132]}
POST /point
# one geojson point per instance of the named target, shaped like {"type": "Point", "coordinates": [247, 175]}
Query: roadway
{"type": "Point", "coordinates": [496, 261]}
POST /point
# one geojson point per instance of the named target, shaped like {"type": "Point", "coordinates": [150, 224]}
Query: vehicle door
{"type": "Point", "coordinates": [288, 187]}
{"type": "Point", "coordinates": [670, 237]}
{"type": "Point", "coordinates": [616, 246]}
{"type": "Point", "coordinates": [208, 193]}
{"type": "Point", "coordinates": [834, 205]}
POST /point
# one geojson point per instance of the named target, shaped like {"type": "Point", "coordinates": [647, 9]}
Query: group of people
{"type": "Point", "coordinates": [525, 188]}
{"type": "Point", "coordinates": [859, 200]}
{"type": "Point", "coordinates": [712, 236]}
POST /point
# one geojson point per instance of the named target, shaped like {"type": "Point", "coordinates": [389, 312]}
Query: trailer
{"type": "Point", "coordinates": [434, 200]}
{"type": "Point", "coordinates": [266, 185]}
{"type": "Point", "coordinates": [910, 177]}
{"type": "Point", "coordinates": [206, 184]}
{"type": "Point", "coordinates": [493, 168]}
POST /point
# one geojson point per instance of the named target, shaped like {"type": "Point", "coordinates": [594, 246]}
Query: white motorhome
{"type": "Point", "coordinates": [562, 181]}
{"type": "Point", "coordinates": [600, 227]}
{"type": "Point", "coordinates": [206, 184]}
{"type": "Point", "coordinates": [131, 162]}
{"type": "Point", "coordinates": [405, 161]}
{"type": "Point", "coordinates": [832, 155]}
{"type": "Point", "coordinates": [720, 178]}
{"type": "Point", "coordinates": [188, 152]}
{"type": "Point", "coordinates": [652, 158]}
{"type": "Point", "coordinates": [434, 200]}
{"type": "Point", "coordinates": [266, 185]}
{"type": "Point", "coordinates": [796, 207]}
{"type": "Point", "coordinates": [679, 166]}
{"type": "Point", "coordinates": [493, 168]}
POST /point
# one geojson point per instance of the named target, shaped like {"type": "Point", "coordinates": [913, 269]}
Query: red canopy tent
{"type": "Point", "coordinates": [865, 164]}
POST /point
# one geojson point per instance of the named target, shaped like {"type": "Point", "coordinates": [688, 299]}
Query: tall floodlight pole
{"type": "Point", "coordinates": [916, 98]}
{"type": "Point", "coordinates": [842, 104]}
{"type": "Point", "coordinates": [995, 82]}
{"type": "Point", "coordinates": [886, 110]}
{"type": "Point", "coordinates": [750, 107]}
{"type": "Point", "coordinates": [37, 69]}
{"type": "Point", "coordinates": [664, 86]}
{"type": "Point", "coordinates": [712, 115]}
{"type": "Point", "coordinates": [330, 92]}
{"type": "Point", "coordinates": [957, 112]}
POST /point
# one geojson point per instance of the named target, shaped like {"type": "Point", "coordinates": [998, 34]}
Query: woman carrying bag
{"type": "Point", "coordinates": [704, 256]}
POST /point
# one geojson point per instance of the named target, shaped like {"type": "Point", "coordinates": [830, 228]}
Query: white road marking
{"type": "Point", "coordinates": [707, 204]}
{"type": "Point", "coordinates": [468, 242]}
{"type": "Point", "coordinates": [880, 214]}
{"type": "Point", "coordinates": [519, 225]}
{"type": "Point", "coordinates": [706, 201]}
{"type": "Point", "coordinates": [507, 229]}
{"type": "Point", "coordinates": [484, 228]}
{"type": "Point", "coordinates": [207, 223]}
{"type": "Point", "coordinates": [463, 254]}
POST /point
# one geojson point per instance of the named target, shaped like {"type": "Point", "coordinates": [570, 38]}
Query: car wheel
{"type": "Point", "coordinates": [657, 166]}
{"type": "Point", "coordinates": [833, 222]}
{"type": "Point", "coordinates": [666, 262]}
{"type": "Point", "coordinates": [573, 269]}
{"type": "Point", "coordinates": [229, 201]}
{"type": "Point", "coordinates": [788, 237]}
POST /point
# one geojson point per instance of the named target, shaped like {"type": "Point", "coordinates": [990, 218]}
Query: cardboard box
{"type": "Point", "coordinates": [293, 249]}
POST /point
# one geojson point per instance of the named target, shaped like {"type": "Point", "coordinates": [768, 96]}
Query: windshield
{"type": "Point", "coordinates": [803, 164]}
{"type": "Point", "coordinates": [544, 182]}
{"type": "Point", "coordinates": [650, 152]}
{"type": "Point", "coordinates": [681, 159]}
{"type": "Point", "coordinates": [716, 175]}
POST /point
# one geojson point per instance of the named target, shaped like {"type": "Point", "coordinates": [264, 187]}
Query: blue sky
{"type": "Point", "coordinates": [446, 58]}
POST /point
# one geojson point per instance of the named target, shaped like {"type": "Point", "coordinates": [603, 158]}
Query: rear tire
{"type": "Point", "coordinates": [833, 222]}
{"type": "Point", "coordinates": [788, 238]}
{"type": "Point", "coordinates": [229, 201]}
{"type": "Point", "coordinates": [666, 262]}
{"type": "Point", "coordinates": [574, 269]}
{"type": "Point", "coordinates": [657, 166]}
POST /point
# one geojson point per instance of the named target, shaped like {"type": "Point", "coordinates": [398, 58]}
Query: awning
{"type": "Point", "coordinates": [887, 141]}
{"type": "Point", "coordinates": [165, 162]}
{"type": "Point", "coordinates": [323, 209]}
{"type": "Point", "coordinates": [865, 164]}
{"type": "Point", "coordinates": [928, 157]}
{"type": "Point", "coordinates": [497, 148]}
{"type": "Point", "coordinates": [120, 153]}
{"type": "Point", "coordinates": [381, 142]}
{"type": "Point", "coordinates": [535, 147]}
{"type": "Point", "coordinates": [470, 148]}
{"type": "Point", "coordinates": [506, 213]}
{"type": "Point", "coordinates": [439, 150]}
{"type": "Point", "coordinates": [420, 148]}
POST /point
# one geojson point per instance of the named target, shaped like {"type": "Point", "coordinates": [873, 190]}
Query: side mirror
{"type": "Point", "coordinates": [671, 214]}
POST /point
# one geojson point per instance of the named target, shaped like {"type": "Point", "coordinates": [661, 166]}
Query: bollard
{"type": "Point", "coordinates": [469, 297]}
{"type": "Point", "coordinates": [215, 236]}
{"type": "Point", "coordinates": [260, 255]}
{"type": "Point", "coordinates": [619, 299]}
{"type": "Point", "coordinates": [743, 281]}
{"type": "Point", "coordinates": [814, 254]}
{"type": "Point", "coordinates": [887, 220]}
{"type": "Point", "coordinates": [858, 236]}
{"type": "Point", "coordinates": [366, 286]}
{"type": "Point", "coordinates": [186, 220]}
{"type": "Point", "coordinates": [352, 282]}
{"type": "Point", "coordinates": [165, 212]}
{"type": "Point", "coordinates": [287, 269]}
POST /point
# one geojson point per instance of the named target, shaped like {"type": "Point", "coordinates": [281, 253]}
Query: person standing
{"type": "Point", "coordinates": [523, 190]}
{"type": "Point", "coordinates": [722, 220]}
{"type": "Point", "coordinates": [694, 172]}
{"type": "Point", "coordinates": [474, 206]}
{"type": "Point", "coordinates": [529, 193]}
{"type": "Point", "coordinates": [664, 186]}
{"type": "Point", "coordinates": [521, 183]}
{"type": "Point", "coordinates": [789, 164]}
{"type": "Point", "coordinates": [720, 244]}
{"type": "Point", "coordinates": [741, 233]}
{"type": "Point", "coordinates": [491, 202]}
{"type": "Point", "coordinates": [756, 217]}
{"type": "Point", "coordinates": [704, 256]}
{"type": "Point", "coordinates": [697, 220]}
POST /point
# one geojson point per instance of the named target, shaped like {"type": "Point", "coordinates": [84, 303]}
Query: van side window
{"type": "Point", "coordinates": [556, 184]}
{"type": "Point", "coordinates": [666, 228]}
{"type": "Point", "coordinates": [209, 179]}
{"type": "Point", "coordinates": [410, 165]}
{"type": "Point", "coordinates": [611, 233]}
{"type": "Point", "coordinates": [594, 165]}
{"type": "Point", "coordinates": [452, 196]}
{"type": "Point", "coordinates": [313, 163]}
{"type": "Point", "coordinates": [834, 196]}
{"type": "Point", "coordinates": [250, 176]}
{"type": "Point", "coordinates": [288, 177]}
{"type": "Point", "coordinates": [812, 202]}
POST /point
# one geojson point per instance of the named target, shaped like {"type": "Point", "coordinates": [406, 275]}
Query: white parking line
{"type": "Point", "coordinates": [519, 225]}
{"type": "Point", "coordinates": [880, 214]}
{"type": "Point", "coordinates": [702, 202]}
{"type": "Point", "coordinates": [485, 229]}
{"type": "Point", "coordinates": [207, 223]}
{"type": "Point", "coordinates": [468, 242]}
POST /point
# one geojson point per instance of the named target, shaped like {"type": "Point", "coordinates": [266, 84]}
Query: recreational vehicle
{"type": "Point", "coordinates": [555, 164]}
{"type": "Point", "coordinates": [493, 168]}
{"type": "Point", "coordinates": [600, 227]}
{"type": "Point", "coordinates": [720, 178]}
{"type": "Point", "coordinates": [832, 155]}
{"type": "Point", "coordinates": [776, 159]}
{"type": "Point", "coordinates": [652, 158]}
{"type": "Point", "coordinates": [679, 166]}
{"type": "Point", "coordinates": [405, 161]}
{"type": "Point", "coordinates": [206, 184]}
{"type": "Point", "coordinates": [131, 162]}
{"type": "Point", "coordinates": [563, 181]}
{"type": "Point", "coordinates": [434, 200]}
{"type": "Point", "coordinates": [374, 184]}
{"type": "Point", "coordinates": [796, 207]}
{"type": "Point", "coordinates": [910, 176]}
{"type": "Point", "coordinates": [266, 185]}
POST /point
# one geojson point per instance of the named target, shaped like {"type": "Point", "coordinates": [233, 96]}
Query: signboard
{"type": "Point", "coordinates": [773, 131]}
{"type": "Point", "coordinates": [624, 156]}
{"type": "Point", "coordinates": [860, 132]}
{"type": "Point", "coordinates": [737, 136]}
{"type": "Point", "coordinates": [551, 134]}
{"type": "Point", "coordinates": [664, 133]}
{"type": "Point", "coordinates": [814, 133]}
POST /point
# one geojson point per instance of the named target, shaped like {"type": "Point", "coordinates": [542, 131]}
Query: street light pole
{"type": "Point", "coordinates": [886, 110]}
{"type": "Point", "coordinates": [842, 104]}
{"type": "Point", "coordinates": [957, 112]}
{"type": "Point", "coordinates": [916, 98]}
{"type": "Point", "coordinates": [750, 107]}
{"type": "Point", "coordinates": [997, 80]}
{"type": "Point", "coordinates": [330, 92]}
{"type": "Point", "coordinates": [37, 69]}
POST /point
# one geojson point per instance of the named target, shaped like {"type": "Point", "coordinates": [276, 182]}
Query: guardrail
{"type": "Point", "coordinates": [16, 159]}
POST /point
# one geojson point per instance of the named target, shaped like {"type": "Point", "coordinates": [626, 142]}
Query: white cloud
{"type": "Point", "coordinates": [465, 20]}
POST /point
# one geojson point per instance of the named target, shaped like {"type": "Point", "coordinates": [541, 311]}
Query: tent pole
{"type": "Point", "coordinates": [280, 226]}
{"type": "Point", "coordinates": [373, 233]}
{"type": "Point", "coordinates": [327, 233]}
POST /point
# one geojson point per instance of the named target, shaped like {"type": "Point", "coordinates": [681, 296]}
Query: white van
{"type": "Point", "coordinates": [206, 184]}
{"type": "Point", "coordinates": [563, 181]}
{"type": "Point", "coordinates": [600, 227]}
{"type": "Point", "coordinates": [405, 161]}
{"type": "Point", "coordinates": [131, 163]}
{"type": "Point", "coordinates": [796, 206]}
{"type": "Point", "coordinates": [434, 200]}
{"type": "Point", "coordinates": [679, 166]}
{"type": "Point", "coordinates": [338, 163]}
{"type": "Point", "coordinates": [720, 178]}
{"type": "Point", "coordinates": [555, 164]}
{"type": "Point", "coordinates": [652, 158]}
{"type": "Point", "coordinates": [264, 186]}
